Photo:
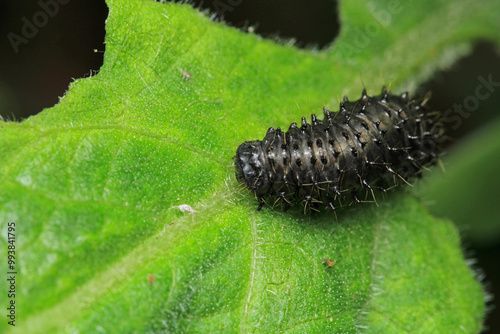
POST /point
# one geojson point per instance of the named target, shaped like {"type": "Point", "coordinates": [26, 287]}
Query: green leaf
{"type": "Point", "coordinates": [477, 211]}
{"type": "Point", "coordinates": [94, 184]}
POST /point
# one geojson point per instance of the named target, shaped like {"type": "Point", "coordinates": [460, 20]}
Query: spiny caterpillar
{"type": "Point", "coordinates": [373, 143]}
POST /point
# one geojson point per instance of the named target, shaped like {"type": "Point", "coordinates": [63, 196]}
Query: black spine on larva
{"type": "Point", "coordinates": [372, 143]}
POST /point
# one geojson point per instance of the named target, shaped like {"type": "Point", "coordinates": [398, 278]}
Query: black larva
{"type": "Point", "coordinates": [373, 143]}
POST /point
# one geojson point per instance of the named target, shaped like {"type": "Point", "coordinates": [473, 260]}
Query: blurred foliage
{"type": "Point", "coordinates": [466, 191]}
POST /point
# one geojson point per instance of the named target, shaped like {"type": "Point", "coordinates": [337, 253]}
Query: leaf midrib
{"type": "Point", "coordinates": [71, 306]}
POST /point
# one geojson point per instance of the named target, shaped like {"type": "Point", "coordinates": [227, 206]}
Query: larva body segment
{"type": "Point", "coordinates": [373, 143]}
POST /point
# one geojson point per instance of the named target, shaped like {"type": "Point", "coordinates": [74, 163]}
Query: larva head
{"type": "Point", "coordinates": [250, 165]}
